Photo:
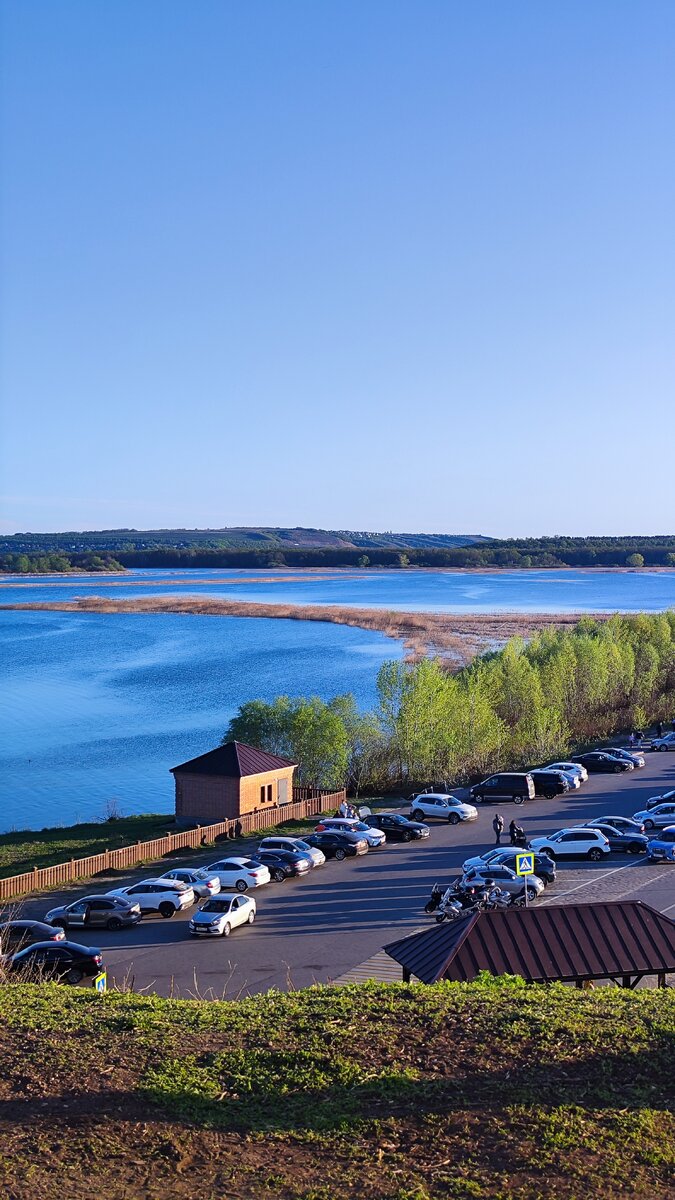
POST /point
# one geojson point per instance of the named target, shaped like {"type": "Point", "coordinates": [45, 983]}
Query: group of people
{"type": "Point", "coordinates": [347, 810]}
{"type": "Point", "coordinates": [516, 834]}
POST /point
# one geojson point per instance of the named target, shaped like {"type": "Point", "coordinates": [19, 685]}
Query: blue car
{"type": "Point", "coordinates": [662, 848]}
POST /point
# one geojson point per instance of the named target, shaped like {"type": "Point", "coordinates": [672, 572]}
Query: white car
{"type": "Point", "coordinates": [202, 884]}
{"type": "Point", "coordinates": [667, 742]}
{"type": "Point", "coordinates": [374, 837]}
{"type": "Point", "coordinates": [239, 873]}
{"type": "Point", "coordinates": [570, 768]}
{"type": "Point", "coordinates": [572, 843]}
{"type": "Point", "coordinates": [315, 856]}
{"type": "Point", "coordinates": [443, 806]}
{"type": "Point", "coordinates": [165, 896]}
{"type": "Point", "coordinates": [220, 915]}
{"type": "Point", "coordinates": [658, 817]}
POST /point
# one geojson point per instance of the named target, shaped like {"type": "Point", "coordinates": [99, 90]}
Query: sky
{"type": "Point", "coordinates": [357, 264]}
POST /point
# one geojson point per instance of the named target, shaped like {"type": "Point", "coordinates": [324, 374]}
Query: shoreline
{"type": "Point", "coordinates": [458, 638]}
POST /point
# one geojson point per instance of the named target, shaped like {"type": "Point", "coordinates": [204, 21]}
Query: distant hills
{"type": "Point", "coordinates": [229, 538]}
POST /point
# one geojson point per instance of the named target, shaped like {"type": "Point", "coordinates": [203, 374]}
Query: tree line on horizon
{"type": "Point", "coordinates": [525, 553]}
{"type": "Point", "coordinates": [529, 703]}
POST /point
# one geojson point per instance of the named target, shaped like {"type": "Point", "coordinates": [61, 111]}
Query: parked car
{"type": "Point", "coordinates": [662, 848]}
{"type": "Point", "coordinates": [506, 785]}
{"type": "Point", "coordinates": [67, 962]}
{"type": "Point", "coordinates": [165, 896]}
{"type": "Point", "coordinates": [549, 783]}
{"type": "Point", "coordinates": [442, 806]}
{"type": "Point", "coordinates": [667, 742]}
{"type": "Point", "coordinates": [96, 912]}
{"type": "Point", "coordinates": [281, 864]}
{"type": "Point", "coordinates": [544, 867]}
{"type": "Point", "coordinates": [654, 800]}
{"type": "Point", "coordinates": [620, 839]}
{"type": "Point", "coordinates": [338, 845]}
{"type": "Point", "coordinates": [658, 817]}
{"type": "Point", "coordinates": [597, 762]}
{"type": "Point", "coordinates": [397, 827]}
{"type": "Point", "coordinates": [316, 857]}
{"type": "Point", "coordinates": [506, 879]}
{"type": "Point", "coordinates": [637, 759]}
{"type": "Point", "coordinates": [14, 935]}
{"type": "Point", "coordinates": [240, 873]}
{"type": "Point", "coordinates": [578, 842]}
{"type": "Point", "coordinates": [220, 915]}
{"type": "Point", "coordinates": [373, 836]}
{"type": "Point", "coordinates": [570, 768]}
{"type": "Point", "coordinates": [625, 824]}
{"type": "Point", "coordinates": [202, 884]}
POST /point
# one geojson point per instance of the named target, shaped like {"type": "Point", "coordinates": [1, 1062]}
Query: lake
{"type": "Point", "coordinates": [99, 707]}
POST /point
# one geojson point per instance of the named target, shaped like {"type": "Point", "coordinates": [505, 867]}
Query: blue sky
{"type": "Point", "coordinates": [372, 265]}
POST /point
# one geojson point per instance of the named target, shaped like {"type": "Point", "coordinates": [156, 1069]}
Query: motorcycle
{"type": "Point", "coordinates": [455, 901]}
{"type": "Point", "coordinates": [498, 899]}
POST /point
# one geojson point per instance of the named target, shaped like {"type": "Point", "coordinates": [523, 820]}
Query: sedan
{"type": "Point", "coordinates": [373, 836]}
{"type": "Point", "coordinates": [658, 817]}
{"type": "Point", "coordinates": [219, 916]}
{"type": "Point", "coordinates": [64, 961]}
{"type": "Point", "coordinates": [544, 867]}
{"type": "Point", "coordinates": [597, 762]}
{"type": "Point", "coordinates": [619, 839]}
{"type": "Point", "coordinates": [202, 884]}
{"type": "Point", "coordinates": [638, 760]}
{"type": "Point", "coordinates": [572, 843]}
{"type": "Point", "coordinates": [654, 800]}
{"type": "Point", "coordinates": [15, 935]}
{"type": "Point", "coordinates": [662, 848]}
{"type": "Point", "coordinates": [338, 845]}
{"type": "Point", "coordinates": [397, 827]}
{"type": "Point", "coordinates": [283, 863]}
{"type": "Point", "coordinates": [240, 873]}
{"type": "Point", "coordinates": [505, 878]}
{"type": "Point", "coordinates": [96, 912]}
{"type": "Point", "coordinates": [624, 824]}
{"type": "Point", "coordinates": [570, 768]}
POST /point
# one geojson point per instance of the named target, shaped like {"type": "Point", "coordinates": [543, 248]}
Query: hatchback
{"type": "Point", "coordinates": [219, 916]}
{"type": "Point", "coordinates": [96, 912]}
{"type": "Point", "coordinates": [658, 817]}
{"type": "Point", "coordinates": [64, 961]}
{"type": "Point", "coordinates": [667, 742]}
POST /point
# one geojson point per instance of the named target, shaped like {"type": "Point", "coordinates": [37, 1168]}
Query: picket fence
{"type": "Point", "coordinates": [126, 856]}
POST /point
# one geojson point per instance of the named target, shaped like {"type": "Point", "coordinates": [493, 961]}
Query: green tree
{"type": "Point", "coordinates": [363, 561]}
{"type": "Point", "coordinates": [307, 731]}
{"type": "Point", "coordinates": [635, 560]}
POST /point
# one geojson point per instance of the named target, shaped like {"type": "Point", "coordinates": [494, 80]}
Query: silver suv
{"type": "Point", "coordinates": [442, 806]}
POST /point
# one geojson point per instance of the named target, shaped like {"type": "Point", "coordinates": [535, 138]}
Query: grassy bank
{"type": "Point", "coordinates": [24, 849]}
{"type": "Point", "coordinates": [489, 1090]}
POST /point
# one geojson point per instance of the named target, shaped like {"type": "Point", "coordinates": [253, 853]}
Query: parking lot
{"type": "Point", "coordinates": [318, 928]}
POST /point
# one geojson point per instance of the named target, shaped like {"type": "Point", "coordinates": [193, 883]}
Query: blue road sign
{"type": "Point", "coordinates": [525, 864]}
{"type": "Point", "coordinates": [101, 981]}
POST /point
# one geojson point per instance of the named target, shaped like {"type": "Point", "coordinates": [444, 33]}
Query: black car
{"type": "Point", "coordinates": [338, 845]}
{"type": "Point", "coordinates": [397, 827]}
{"type": "Point", "coordinates": [66, 962]}
{"type": "Point", "coordinates": [621, 839]}
{"type": "Point", "coordinates": [14, 935]}
{"type": "Point", "coordinates": [506, 785]}
{"type": "Point", "coordinates": [599, 763]}
{"type": "Point", "coordinates": [549, 783]}
{"type": "Point", "coordinates": [283, 863]}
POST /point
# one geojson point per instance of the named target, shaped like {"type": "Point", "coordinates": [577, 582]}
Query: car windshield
{"type": "Point", "coordinates": [217, 906]}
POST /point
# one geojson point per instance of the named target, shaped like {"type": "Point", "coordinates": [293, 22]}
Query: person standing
{"type": "Point", "coordinates": [513, 833]}
{"type": "Point", "coordinates": [498, 826]}
{"type": "Point", "coordinates": [659, 729]}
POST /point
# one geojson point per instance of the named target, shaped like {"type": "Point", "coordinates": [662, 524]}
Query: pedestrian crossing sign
{"type": "Point", "coordinates": [525, 864]}
{"type": "Point", "coordinates": [101, 981]}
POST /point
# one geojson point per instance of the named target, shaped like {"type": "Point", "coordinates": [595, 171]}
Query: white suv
{"type": "Point", "coordinates": [445, 807]}
{"type": "Point", "coordinates": [165, 896]}
{"type": "Point", "coordinates": [572, 843]}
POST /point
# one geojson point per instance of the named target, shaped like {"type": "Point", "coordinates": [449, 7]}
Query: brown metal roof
{"type": "Point", "coordinates": [563, 942]}
{"type": "Point", "coordinates": [233, 760]}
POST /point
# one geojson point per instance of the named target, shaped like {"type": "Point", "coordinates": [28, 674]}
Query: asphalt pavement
{"type": "Point", "coordinates": [315, 929]}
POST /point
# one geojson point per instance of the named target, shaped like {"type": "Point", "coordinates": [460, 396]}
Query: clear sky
{"type": "Point", "coordinates": [368, 264]}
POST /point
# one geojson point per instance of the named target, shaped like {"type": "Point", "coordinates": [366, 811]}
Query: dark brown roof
{"type": "Point", "coordinates": [233, 760]}
{"type": "Point", "coordinates": [563, 942]}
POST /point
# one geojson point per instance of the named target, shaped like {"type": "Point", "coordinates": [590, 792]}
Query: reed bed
{"type": "Point", "coordinates": [454, 637]}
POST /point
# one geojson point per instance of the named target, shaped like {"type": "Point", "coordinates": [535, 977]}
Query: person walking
{"type": "Point", "coordinates": [659, 729]}
{"type": "Point", "coordinates": [498, 826]}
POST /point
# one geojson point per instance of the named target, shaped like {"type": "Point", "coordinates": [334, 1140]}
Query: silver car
{"type": "Point", "coordinates": [203, 883]}
{"type": "Point", "coordinates": [505, 878]}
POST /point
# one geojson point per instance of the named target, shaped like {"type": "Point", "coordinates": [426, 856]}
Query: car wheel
{"type": "Point", "coordinates": [549, 795]}
{"type": "Point", "coordinates": [166, 908]}
{"type": "Point", "coordinates": [551, 853]}
{"type": "Point", "coordinates": [453, 819]}
{"type": "Point", "coordinates": [278, 876]}
{"type": "Point", "coordinates": [226, 930]}
{"type": "Point", "coordinates": [649, 824]}
{"type": "Point", "coordinates": [635, 848]}
{"type": "Point", "coordinates": [251, 917]}
{"type": "Point", "coordinates": [617, 770]}
{"type": "Point", "coordinates": [595, 855]}
{"type": "Point", "coordinates": [532, 893]}
{"type": "Point", "coordinates": [662, 748]}
{"type": "Point", "coordinates": [114, 923]}
{"type": "Point", "coordinates": [440, 918]}
{"type": "Point", "coordinates": [241, 885]}
{"type": "Point", "coordinates": [417, 815]}
{"type": "Point", "coordinates": [407, 835]}
{"type": "Point", "coordinates": [74, 975]}
{"type": "Point", "coordinates": [339, 854]}
{"type": "Point", "coordinates": [518, 799]}
{"type": "Point", "coordinates": [518, 901]}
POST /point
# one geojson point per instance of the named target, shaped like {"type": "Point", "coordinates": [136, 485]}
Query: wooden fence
{"type": "Point", "coordinates": [127, 856]}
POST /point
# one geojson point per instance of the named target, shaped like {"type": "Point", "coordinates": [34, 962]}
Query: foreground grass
{"type": "Point", "coordinates": [489, 1090]}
